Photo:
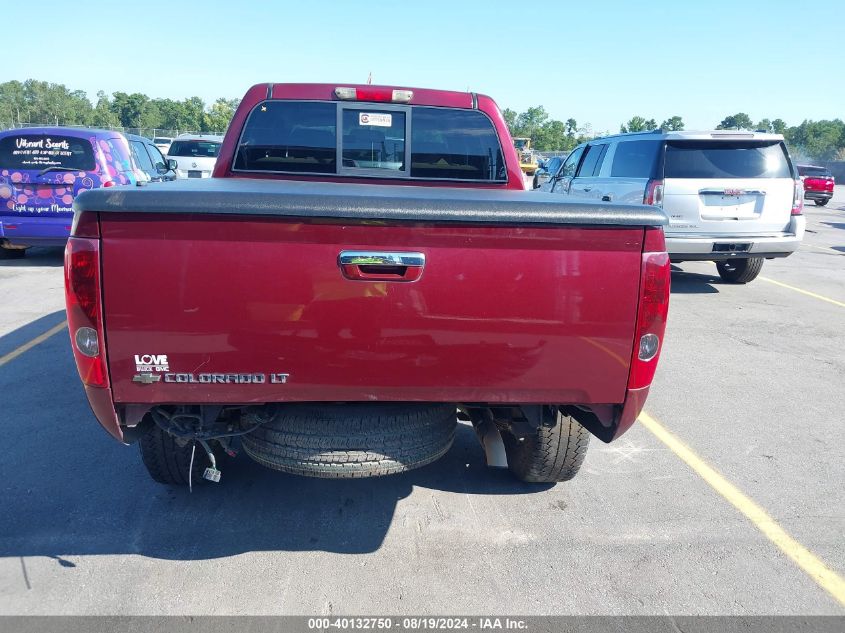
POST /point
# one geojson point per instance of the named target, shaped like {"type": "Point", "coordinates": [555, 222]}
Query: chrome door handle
{"type": "Point", "coordinates": [607, 198]}
{"type": "Point", "coordinates": [381, 265]}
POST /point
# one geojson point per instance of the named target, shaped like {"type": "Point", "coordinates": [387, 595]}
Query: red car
{"type": "Point", "coordinates": [818, 183]}
{"type": "Point", "coordinates": [363, 270]}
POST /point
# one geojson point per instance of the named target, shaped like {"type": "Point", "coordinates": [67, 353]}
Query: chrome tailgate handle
{"type": "Point", "coordinates": [381, 265]}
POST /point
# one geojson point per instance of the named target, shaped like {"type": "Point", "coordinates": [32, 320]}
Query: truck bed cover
{"type": "Point", "coordinates": [309, 199]}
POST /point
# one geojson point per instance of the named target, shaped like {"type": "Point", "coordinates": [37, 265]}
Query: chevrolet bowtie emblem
{"type": "Point", "coordinates": [146, 379]}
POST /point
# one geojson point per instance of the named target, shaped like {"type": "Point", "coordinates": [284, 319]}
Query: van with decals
{"type": "Point", "coordinates": [42, 170]}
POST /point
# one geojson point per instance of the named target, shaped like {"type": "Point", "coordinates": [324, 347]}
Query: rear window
{"type": "Point", "coordinates": [302, 137]}
{"type": "Point", "coordinates": [162, 141]}
{"type": "Point", "coordinates": [720, 159]}
{"type": "Point", "coordinates": [818, 172]}
{"type": "Point", "coordinates": [635, 159]}
{"type": "Point", "coordinates": [455, 145]}
{"type": "Point", "coordinates": [290, 136]}
{"type": "Point", "coordinates": [196, 149]}
{"type": "Point", "coordinates": [374, 139]}
{"type": "Point", "coordinates": [42, 151]}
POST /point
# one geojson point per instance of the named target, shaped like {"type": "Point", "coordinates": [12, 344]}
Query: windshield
{"type": "Point", "coordinates": [720, 159]}
{"type": "Point", "coordinates": [195, 149]}
{"type": "Point", "coordinates": [46, 151]}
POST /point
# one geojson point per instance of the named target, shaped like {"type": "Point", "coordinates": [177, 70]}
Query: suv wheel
{"type": "Point", "coordinates": [740, 271]}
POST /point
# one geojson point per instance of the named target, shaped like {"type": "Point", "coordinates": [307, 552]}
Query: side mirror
{"type": "Point", "coordinates": [172, 164]}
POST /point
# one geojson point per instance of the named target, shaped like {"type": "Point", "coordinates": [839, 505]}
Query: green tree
{"type": "Point", "coordinates": [739, 121]}
{"type": "Point", "coordinates": [220, 114]}
{"type": "Point", "coordinates": [673, 124]}
{"type": "Point", "coordinates": [819, 140]}
{"type": "Point", "coordinates": [103, 115]}
{"type": "Point", "coordinates": [571, 127]}
{"type": "Point", "coordinates": [129, 108]}
{"type": "Point", "coordinates": [778, 126]}
{"type": "Point", "coordinates": [510, 118]}
{"type": "Point", "coordinates": [638, 124]}
{"type": "Point", "coordinates": [764, 125]}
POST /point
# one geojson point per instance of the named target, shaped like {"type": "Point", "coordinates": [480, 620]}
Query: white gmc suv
{"type": "Point", "coordinates": [732, 197]}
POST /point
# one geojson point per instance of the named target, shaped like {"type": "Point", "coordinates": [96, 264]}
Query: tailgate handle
{"type": "Point", "coordinates": [731, 192]}
{"type": "Point", "coordinates": [381, 266]}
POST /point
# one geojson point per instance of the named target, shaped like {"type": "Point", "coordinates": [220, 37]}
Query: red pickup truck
{"type": "Point", "coordinates": [363, 270]}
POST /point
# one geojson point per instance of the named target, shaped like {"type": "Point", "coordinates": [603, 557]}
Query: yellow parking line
{"type": "Point", "coordinates": [30, 344]}
{"type": "Point", "coordinates": [826, 249]}
{"type": "Point", "coordinates": [804, 292]}
{"type": "Point", "coordinates": [826, 578]}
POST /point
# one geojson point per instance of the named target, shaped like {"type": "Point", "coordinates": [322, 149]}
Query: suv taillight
{"type": "Point", "coordinates": [655, 281]}
{"type": "Point", "coordinates": [798, 198]}
{"type": "Point", "coordinates": [654, 193]}
{"type": "Point", "coordinates": [84, 308]}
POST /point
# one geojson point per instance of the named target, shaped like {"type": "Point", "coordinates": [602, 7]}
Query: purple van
{"type": "Point", "coordinates": [42, 169]}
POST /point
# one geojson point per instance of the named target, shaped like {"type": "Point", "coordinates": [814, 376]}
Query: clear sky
{"type": "Point", "coordinates": [599, 62]}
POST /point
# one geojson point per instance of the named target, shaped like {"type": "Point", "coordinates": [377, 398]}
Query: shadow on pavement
{"type": "Point", "coordinates": [38, 256]}
{"type": "Point", "coordinates": [26, 333]}
{"type": "Point", "coordinates": [69, 489]}
{"type": "Point", "coordinates": [835, 225]}
{"type": "Point", "coordinates": [693, 283]}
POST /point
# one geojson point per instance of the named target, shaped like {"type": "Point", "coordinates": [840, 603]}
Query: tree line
{"type": "Point", "coordinates": [40, 102]}
{"type": "Point", "coordinates": [44, 103]}
{"type": "Point", "coordinates": [816, 140]}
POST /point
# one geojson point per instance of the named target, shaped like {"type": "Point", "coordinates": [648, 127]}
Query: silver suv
{"type": "Point", "coordinates": [732, 197]}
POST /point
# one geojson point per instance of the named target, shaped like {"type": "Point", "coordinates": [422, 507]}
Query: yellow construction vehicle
{"type": "Point", "coordinates": [527, 157]}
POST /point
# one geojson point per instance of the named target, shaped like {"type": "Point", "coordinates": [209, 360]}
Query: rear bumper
{"type": "Point", "coordinates": [818, 195]}
{"type": "Point", "coordinates": [704, 247]}
{"type": "Point", "coordinates": [35, 231]}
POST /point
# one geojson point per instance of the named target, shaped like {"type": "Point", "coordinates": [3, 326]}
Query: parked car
{"type": "Point", "coordinates": [363, 268]}
{"type": "Point", "coordinates": [195, 154]}
{"type": "Point", "coordinates": [818, 183]}
{"type": "Point", "coordinates": [150, 163]}
{"type": "Point", "coordinates": [43, 169]}
{"type": "Point", "coordinates": [731, 197]}
{"type": "Point", "coordinates": [162, 143]}
{"type": "Point", "coordinates": [546, 170]}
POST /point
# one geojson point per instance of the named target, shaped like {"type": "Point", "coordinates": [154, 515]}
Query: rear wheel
{"type": "Point", "coordinates": [822, 202]}
{"type": "Point", "coordinates": [551, 454]}
{"type": "Point", "coordinates": [168, 460]}
{"type": "Point", "coordinates": [349, 440]}
{"type": "Point", "coordinates": [740, 271]}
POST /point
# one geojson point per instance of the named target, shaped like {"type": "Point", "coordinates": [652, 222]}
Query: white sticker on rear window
{"type": "Point", "coordinates": [375, 118]}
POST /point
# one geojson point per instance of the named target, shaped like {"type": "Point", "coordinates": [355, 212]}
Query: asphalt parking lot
{"type": "Point", "coordinates": [751, 381]}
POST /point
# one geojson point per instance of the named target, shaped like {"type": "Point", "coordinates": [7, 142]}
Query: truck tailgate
{"type": "Point", "coordinates": [500, 313]}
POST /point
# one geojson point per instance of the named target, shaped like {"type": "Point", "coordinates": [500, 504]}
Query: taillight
{"type": "Point", "coordinates": [374, 93]}
{"type": "Point", "coordinates": [84, 309]}
{"type": "Point", "coordinates": [654, 193]}
{"type": "Point", "coordinates": [109, 183]}
{"type": "Point", "coordinates": [798, 198]}
{"type": "Point", "coordinates": [655, 281]}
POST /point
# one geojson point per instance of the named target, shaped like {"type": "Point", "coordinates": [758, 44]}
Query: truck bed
{"type": "Point", "coordinates": [523, 298]}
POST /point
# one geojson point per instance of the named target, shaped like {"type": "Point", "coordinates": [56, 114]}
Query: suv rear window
{"type": "Point", "coordinates": [40, 151]}
{"type": "Point", "coordinates": [302, 137]}
{"type": "Point", "coordinates": [722, 159]}
{"type": "Point", "coordinates": [196, 149]}
{"type": "Point", "coordinates": [635, 159]}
